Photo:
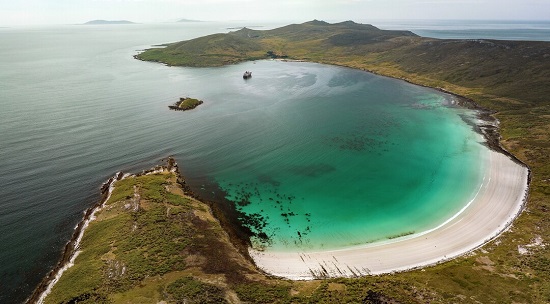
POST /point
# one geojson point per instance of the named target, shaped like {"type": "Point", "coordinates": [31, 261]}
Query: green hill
{"type": "Point", "coordinates": [212, 50]}
{"type": "Point", "coordinates": [248, 44]}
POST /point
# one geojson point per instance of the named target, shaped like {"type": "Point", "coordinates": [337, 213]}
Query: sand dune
{"type": "Point", "coordinates": [499, 201]}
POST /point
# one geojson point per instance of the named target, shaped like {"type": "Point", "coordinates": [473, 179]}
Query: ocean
{"type": "Point", "coordinates": [329, 156]}
{"type": "Point", "coordinates": [529, 30]}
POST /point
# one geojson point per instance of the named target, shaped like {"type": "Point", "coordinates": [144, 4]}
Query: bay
{"type": "Point", "coordinates": [333, 157]}
{"type": "Point", "coordinates": [76, 108]}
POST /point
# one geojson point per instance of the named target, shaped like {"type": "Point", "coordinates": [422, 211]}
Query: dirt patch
{"type": "Point", "coordinates": [485, 264]}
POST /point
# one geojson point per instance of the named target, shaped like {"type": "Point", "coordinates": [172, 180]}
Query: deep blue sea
{"type": "Point", "coordinates": [76, 108]}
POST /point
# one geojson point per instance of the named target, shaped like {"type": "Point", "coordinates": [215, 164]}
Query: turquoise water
{"type": "Point", "coordinates": [348, 158]}
{"type": "Point", "coordinates": [355, 157]}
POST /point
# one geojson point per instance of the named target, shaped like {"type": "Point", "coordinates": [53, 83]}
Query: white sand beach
{"type": "Point", "coordinates": [498, 202]}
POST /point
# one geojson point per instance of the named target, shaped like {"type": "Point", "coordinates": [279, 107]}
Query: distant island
{"type": "Point", "coordinates": [100, 22]}
{"type": "Point", "coordinates": [189, 20]}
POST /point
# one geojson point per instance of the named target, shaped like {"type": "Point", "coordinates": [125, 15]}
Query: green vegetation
{"type": "Point", "coordinates": [150, 243]}
{"type": "Point", "coordinates": [189, 290]}
{"type": "Point", "coordinates": [185, 104]}
{"type": "Point", "coordinates": [130, 240]}
{"type": "Point", "coordinates": [212, 50]}
{"type": "Point", "coordinates": [247, 44]}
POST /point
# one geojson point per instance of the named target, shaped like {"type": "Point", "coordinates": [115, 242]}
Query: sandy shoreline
{"type": "Point", "coordinates": [500, 200]}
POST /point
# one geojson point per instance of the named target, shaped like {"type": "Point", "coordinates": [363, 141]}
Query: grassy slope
{"type": "Point", "coordinates": [510, 78]}
{"type": "Point", "coordinates": [212, 50]}
{"type": "Point", "coordinates": [152, 243]}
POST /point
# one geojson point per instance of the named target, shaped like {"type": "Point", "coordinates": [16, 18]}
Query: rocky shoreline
{"type": "Point", "coordinates": [71, 248]}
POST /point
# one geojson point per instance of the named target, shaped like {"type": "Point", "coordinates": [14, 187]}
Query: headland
{"type": "Point", "coordinates": [149, 239]}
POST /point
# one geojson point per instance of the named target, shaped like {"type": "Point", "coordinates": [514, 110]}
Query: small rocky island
{"type": "Point", "coordinates": [185, 104]}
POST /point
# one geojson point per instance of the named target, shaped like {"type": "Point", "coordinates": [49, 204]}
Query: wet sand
{"type": "Point", "coordinates": [499, 201]}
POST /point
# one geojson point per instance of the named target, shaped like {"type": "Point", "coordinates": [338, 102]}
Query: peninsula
{"type": "Point", "coordinates": [505, 80]}
{"type": "Point", "coordinates": [149, 239]}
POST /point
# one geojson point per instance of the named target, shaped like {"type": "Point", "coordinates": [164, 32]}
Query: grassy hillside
{"type": "Point", "coordinates": [247, 44]}
{"type": "Point", "coordinates": [153, 243]}
{"type": "Point", "coordinates": [212, 50]}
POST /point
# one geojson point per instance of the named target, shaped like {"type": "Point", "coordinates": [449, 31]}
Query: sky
{"type": "Point", "coordinates": [36, 12]}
